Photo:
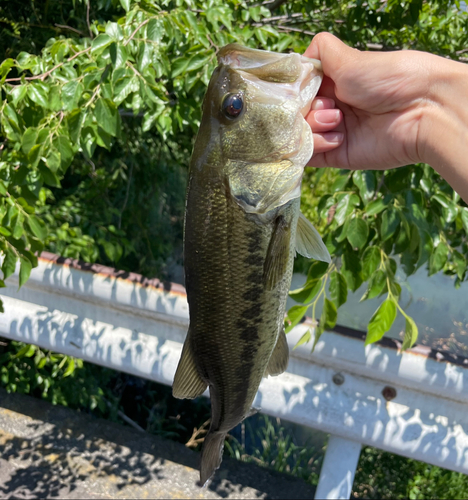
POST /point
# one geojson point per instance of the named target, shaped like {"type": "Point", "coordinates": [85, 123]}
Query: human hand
{"type": "Point", "coordinates": [381, 99]}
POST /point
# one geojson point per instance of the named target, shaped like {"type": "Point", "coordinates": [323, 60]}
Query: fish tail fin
{"type": "Point", "coordinates": [212, 455]}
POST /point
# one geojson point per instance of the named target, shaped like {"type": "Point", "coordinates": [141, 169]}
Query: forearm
{"type": "Point", "coordinates": [444, 129]}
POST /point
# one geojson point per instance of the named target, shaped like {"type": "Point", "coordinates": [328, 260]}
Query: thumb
{"type": "Point", "coordinates": [333, 53]}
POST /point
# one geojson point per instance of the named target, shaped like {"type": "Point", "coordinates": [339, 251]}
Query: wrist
{"type": "Point", "coordinates": [443, 131]}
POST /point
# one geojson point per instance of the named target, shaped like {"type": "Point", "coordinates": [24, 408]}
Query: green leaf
{"type": "Point", "coordinates": [381, 321]}
{"type": "Point", "coordinates": [375, 207]}
{"type": "Point", "coordinates": [114, 31]}
{"type": "Point", "coordinates": [411, 333]}
{"type": "Point", "coordinates": [144, 57]}
{"type": "Point", "coordinates": [49, 177]}
{"type": "Point", "coordinates": [9, 263]}
{"type": "Point", "coordinates": [25, 271]}
{"type": "Point", "coordinates": [107, 116]}
{"type": "Point", "coordinates": [18, 229]}
{"type": "Point", "coordinates": [197, 61]}
{"type": "Point", "coordinates": [338, 288]}
{"type": "Point", "coordinates": [304, 339]}
{"type": "Point", "coordinates": [70, 368]}
{"type": "Point", "coordinates": [55, 99]}
{"type": "Point", "coordinates": [63, 146]}
{"type": "Point", "coordinates": [124, 87]}
{"type": "Point", "coordinates": [155, 30]}
{"type": "Point", "coordinates": [358, 232]}
{"type": "Point", "coordinates": [125, 4]}
{"type": "Point", "coordinates": [460, 264]}
{"type": "Point", "coordinates": [5, 67]}
{"type": "Point", "coordinates": [377, 284]}
{"type": "Point", "coordinates": [34, 155]}
{"type": "Point", "coordinates": [306, 293]}
{"type": "Point", "coordinates": [329, 315]}
{"type": "Point", "coordinates": [118, 55]}
{"type": "Point", "coordinates": [37, 227]}
{"type": "Point", "coordinates": [317, 270]}
{"type": "Point", "coordinates": [295, 314]}
{"type": "Point", "coordinates": [71, 93]}
{"type": "Point", "coordinates": [179, 66]}
{"type": "Point", "coordinates": [100, 43]}
{"type": "Point", "coordinates": [29, 139]}
{"type": "Point", "coordinates": [327, 320]}
{"type": "Point", "coordinates": [19, 93]}
{"type": "Point", "coordinates": [351, 269]}
{"type": "Point", "coordinates": [390, 223]}
{"type": "Point", "coordinates": [365, 181]}
{"type": "Point", "coordinates": [53, 160]}
{"type": "Point", "coordinates": [75, 121]}
{"type": "Point", "coordinates": [38, 93]}
{"type": "Point", "coordinates": [370, 262]}
{"type": "Point", "coordinates": [464, 218]}
{"type": "Point", "coordinates": [438, 258]}
{"type": "Point", "coordinates": [345, 207]}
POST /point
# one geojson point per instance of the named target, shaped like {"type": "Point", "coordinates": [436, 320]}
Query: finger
{"type": "Point", "coordinates": [322, 103]}
{"type": "Point", "coordinates": [332, 52]}
{"type": "Point", "coordinates": [324, 120]}
{"type": "Point", "coordinates": [326, 141]}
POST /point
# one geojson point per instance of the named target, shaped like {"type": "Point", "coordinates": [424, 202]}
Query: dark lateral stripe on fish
{"type": "Point", "coordinates": [254, 293]}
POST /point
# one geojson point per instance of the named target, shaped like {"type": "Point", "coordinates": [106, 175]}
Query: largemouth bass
{"type": "Point", "coordinates": [242, 229]}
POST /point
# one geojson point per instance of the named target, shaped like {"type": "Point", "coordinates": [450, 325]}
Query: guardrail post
{"type": "Point", "coordinates": [338, 469]}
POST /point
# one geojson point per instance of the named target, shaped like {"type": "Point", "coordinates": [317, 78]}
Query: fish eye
{"type": "Point", "coordinates": [232, 105]}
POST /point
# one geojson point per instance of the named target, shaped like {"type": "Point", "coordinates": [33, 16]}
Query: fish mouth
{"type": "Point", "coordinates": [288, 76]}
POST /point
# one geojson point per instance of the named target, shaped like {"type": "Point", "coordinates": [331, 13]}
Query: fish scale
{"type": "Point", "coordinates": [241, 219]}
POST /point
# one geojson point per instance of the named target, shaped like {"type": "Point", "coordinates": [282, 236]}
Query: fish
{"type": "Point", "coordinates": [242, 229]}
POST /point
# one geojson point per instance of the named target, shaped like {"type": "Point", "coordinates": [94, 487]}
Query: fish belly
{"type": "Point", "coordinates": [234, 320]}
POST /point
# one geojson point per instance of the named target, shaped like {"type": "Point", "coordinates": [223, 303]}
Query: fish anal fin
{"type": "Point", "coordinates": [277, 257]}
{"type": "Point", "coordinates": [279, 357]}
{"type": "Point", "coordinates": [309, 242]}
{"type": "Point", "coordinates": [212, 455]}
{"type": "Point", "coordinates": [187, 382]}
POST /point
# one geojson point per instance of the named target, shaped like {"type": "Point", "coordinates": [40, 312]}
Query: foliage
{"type": "Point", "coordinates": [71, 382]}
{"type": "Point", "coordinates": [266, 442]}
{"type": "Point", "coordinates": [97, 129]}
{"type": "Point", "coordinates": [57, 378]}
{"type": "Point", "coordinates": [383, 475]}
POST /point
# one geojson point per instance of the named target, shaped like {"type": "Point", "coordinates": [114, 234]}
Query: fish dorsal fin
{"type": "Point", "coordinates": [277, 256]}
{"type": "Point", "coordinates": [308, 241]}
{"type": "Point", "coordinates": [187, 382]}
{"type": "Point", "coordinates": [279, 357]}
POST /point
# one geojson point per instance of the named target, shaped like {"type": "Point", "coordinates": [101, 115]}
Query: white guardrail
{"type": "Point", "coordinates": [414, 404]}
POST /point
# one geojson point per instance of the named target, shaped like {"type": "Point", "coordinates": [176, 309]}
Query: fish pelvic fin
{"type": "Point", "coordinates": [187, 382]}
{"type": "Point", "coordinates": [279, 357]}
{"type": "Point", "coordinates": [277, 256]}
{"type": "Point", "coordinates": [309, 242]}
{"type": "Point", "coordinates": [212, 455]}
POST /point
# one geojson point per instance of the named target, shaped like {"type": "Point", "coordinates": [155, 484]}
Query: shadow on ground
{"type": "Point", "coordinates": [49, 451]}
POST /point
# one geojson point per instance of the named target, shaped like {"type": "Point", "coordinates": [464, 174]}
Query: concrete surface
{"type": "Point", "coordinates": [51, 451]}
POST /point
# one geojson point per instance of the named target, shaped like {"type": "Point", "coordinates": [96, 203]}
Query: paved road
{"type": "Point", "coordinates": [50, 451]}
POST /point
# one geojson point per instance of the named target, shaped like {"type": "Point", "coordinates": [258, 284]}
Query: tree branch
{"type": "Point", "coordinates": [43, 76]}
{"type": "Point", "coordinates": [87, 20]}
{"type": "Point", "coordinates": [65, 27]}
{"type": "Point", "coordinates": [136, 30]}
{"type": "Point", "coordinates": [277, 3]}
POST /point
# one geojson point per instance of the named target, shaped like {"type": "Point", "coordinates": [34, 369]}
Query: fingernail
{"type": "Point", "coordinates": [327, 116]}
{"type": "Point", "coordinates": [325, 103]}
{"type": "Point", "coordinates": [333, 137]}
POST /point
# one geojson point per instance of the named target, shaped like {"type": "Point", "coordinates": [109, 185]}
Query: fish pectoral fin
{"type": "Point", "coordinates": [309, 242]}
{"type": "Point", "coordinates": [187, 382]}
{"type": "Point", "coordinates": [277, 257]}
{"type": "Point", "coordinates": [279, 357]}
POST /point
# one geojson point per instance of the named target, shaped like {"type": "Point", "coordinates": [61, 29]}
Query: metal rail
{"type": "Point", "coordinates": [413, 404]}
